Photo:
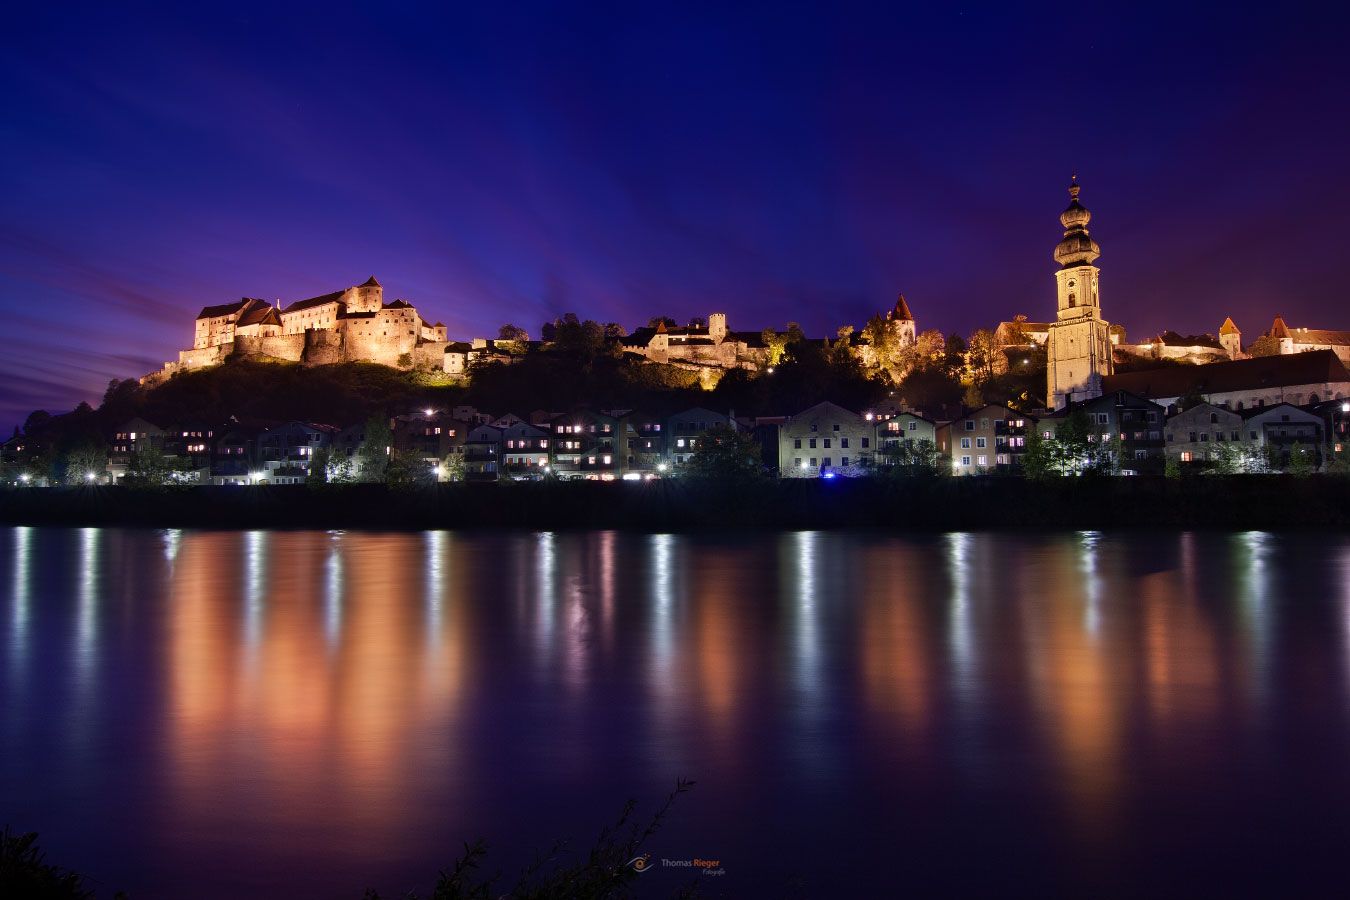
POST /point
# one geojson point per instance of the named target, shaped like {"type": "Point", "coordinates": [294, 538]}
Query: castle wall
{"type": "Point", "coordinates": [290, 347]}
{"type": "Point", "coordinates": [201, 357]}
{"type": "Point", "coordinates": [429, 355]}
{"type": "Point", "coordinates": [324, 348]}
{"type": "Point", "coordinates": [382, 337]}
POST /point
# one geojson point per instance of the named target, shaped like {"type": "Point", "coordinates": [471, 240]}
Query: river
{"type": "Point", "coordinates": [226, 714]}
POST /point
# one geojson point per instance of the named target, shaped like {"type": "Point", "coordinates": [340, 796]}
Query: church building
{"type": "Point", "coordinates": [1078, 346]}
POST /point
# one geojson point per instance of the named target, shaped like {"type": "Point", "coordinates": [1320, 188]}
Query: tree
{"type": "Point", "coordinates": [84, 459]}
{"type": "Point", "coordinates": [1038, 458]}
{"type": "Point", "coordinates": [658, 321]}
{"type": "Point", "coordinates": [406, 469]}
{"type": "Point", "coordinates": [955, 357]}
{"type": "Point", "coordinates": [1191, 398]}
{"type": "Point", "coordinates": [775, 343]}
{"type": "Point", "coordinates": [373, 457]}
{"type": "Point", "coordinates": [452, 467]}
{"type": "Point", "coordinates": [36, 421]}
{"type": "Point", "coordinates": [1302, 461]}
{"type": "Point", "coordinates": [725, 454]}
{"type": "Point", "coordinates": [913, 459]}
{"type": "Point", "coordinates": [509, 332]}
{"type": "Point", "coordinates": [930, 348]}
{"type": "Point", "coordinates": [1075, 449]}
{"type": "Point", "coordinates": [318, 467]}
{"type": "Point", "coordinates": [982, 354]}
{"type": "Point", "coordinates": [148, 467]}
{"type": "Point", "coordinates": [1265, 345]}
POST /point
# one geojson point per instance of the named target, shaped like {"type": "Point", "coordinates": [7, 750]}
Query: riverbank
{"type": "Point", "coordinates": [1244, 502]}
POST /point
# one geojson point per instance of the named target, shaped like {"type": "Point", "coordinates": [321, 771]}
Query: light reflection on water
{"type": "Point", "coordinates": [330, 710]}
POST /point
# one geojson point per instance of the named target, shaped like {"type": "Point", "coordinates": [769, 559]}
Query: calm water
{"type": "Point", "coordinates": [225, 714]}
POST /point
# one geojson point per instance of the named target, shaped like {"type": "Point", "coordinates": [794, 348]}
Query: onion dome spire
{"type": "Point", "coordinates": [1076, 248]}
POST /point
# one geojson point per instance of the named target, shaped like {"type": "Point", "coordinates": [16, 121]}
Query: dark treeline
{"type": "Point", "coordinates": [919, 504]}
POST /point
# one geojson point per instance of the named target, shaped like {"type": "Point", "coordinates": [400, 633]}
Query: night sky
{"type": "Point", "coordinates": [776, 163]}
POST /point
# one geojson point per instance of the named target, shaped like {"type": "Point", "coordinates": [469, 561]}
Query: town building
{"type": "Point", "coordinates": [1299, 378]}
{"type": "Point", "coordinates": [1268, 435]}
{"type": "Point", "coordinates": [482, 453]}
{"type": "Point", "coordinates": [286, 451]}
{"type": "Point", "coordinates": [583, 445]}
{"type": "Point", "coordinates": [1078, 343]}
{"type": "Point", "coordinates": [524, 451]}
{"type": "Point", "coordinates": [132, 437]}
{"type": "Point", "coordinates": [684, 429]}
{"type": "Point", "coordinates": [989, 439]}
{"type": "Point", "coordinates": [1129, 425]}
{"type": "Point", "coordinates": [823, 441]}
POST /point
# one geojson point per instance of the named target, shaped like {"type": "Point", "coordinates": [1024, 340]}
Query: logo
{"type": "Point", "coordinates": [640, 863]}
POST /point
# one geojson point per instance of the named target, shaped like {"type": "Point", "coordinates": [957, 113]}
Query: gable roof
{"type": "Point", "coordinates": [314, 301]}
{"type": "Point", "coordinates": [1252, 412]}
{"type": "Point", "coordinates": [826, 408]}
{"type": "Point", "coordinates": [370, 282]}
{"type": "Point", "coordinates": [259, 313]}
{"type": "Point", "coordinates": [222, 309]}
{"type": "Point", "coordinates": [1320, 336]}
{"type": "Point", "coordinates": [1228, 327]}
{"type": "Point", "coordinates": [1172, 339]}
{"type": "Point", "coordinates": [1314, 367]}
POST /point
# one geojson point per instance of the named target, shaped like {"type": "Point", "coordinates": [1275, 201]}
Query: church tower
{"type": "Point", "coordinates": [1079, 344]}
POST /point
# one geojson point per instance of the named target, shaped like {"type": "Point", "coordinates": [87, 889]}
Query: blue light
{"type": "Point", "coordinates": [826, 474]}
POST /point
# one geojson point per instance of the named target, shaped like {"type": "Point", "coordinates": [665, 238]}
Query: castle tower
{"type": "Point", "coordinates": [1280, 332]}
{"type": "Point", "coordinates": [902, 322]}
{"type": "Point", "coordinates": [1079, 342]}
{"type": "Point", "coordinates": [717, 327]}
{"type": "Point", "coordinates": [367, 297]}
{"type": "Point", "coordinates": [1230, 339]}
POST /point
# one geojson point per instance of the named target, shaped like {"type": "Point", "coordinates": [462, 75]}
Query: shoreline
{"type": "Point", "coordinates": [1237, 503]}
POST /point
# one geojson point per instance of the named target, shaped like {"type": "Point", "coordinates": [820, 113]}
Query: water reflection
{"type": "Point", "coordinates": [343, 690]}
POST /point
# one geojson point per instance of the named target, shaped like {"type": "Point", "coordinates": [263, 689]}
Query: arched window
{"type": "Point", "coordinates": [1312, 398]}
{"type": "Point", "coordinates": [1213, 418]}
{"type": "Point", "coordinates": [1240, 405]}
{"type": "Point", "coordinates": [1073, 299]}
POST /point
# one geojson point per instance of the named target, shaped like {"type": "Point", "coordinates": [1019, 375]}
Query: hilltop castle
{"type": "Point", "coordinates": [351, 325]}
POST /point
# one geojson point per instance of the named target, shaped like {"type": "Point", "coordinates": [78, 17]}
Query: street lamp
{"type": "Point", "coordinates": [428, 411]}
{"type": "Point", "coordinates": [89, 476]}
{"type": "Point", "coordinates": [24, 477]}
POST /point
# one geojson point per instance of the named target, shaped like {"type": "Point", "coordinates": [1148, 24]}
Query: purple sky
{"type": "Point", "coordinates": [631, 160]}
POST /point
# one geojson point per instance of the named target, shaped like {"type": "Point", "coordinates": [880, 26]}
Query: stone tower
{"type": "Point", "coordinates": [1280, 332]}
{"type": "Point", "coordinates": [901, 322]}
{"type": "Point", "coordinates": [1079, 343]}
{"type": "Point", "coordinates": [717, 327]}
{"type": "Point", "coordinates": [1230, 339]}
{"type": "Point", "coordinates": [366, 297]}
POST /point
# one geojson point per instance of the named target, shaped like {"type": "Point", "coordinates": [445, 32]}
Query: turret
{"type": "Point", "coordinates": [366, 297]}
{"type": "Point", "coordinates": [717, 327]}
{"type": "Point", "coordinates": [1230, 339]}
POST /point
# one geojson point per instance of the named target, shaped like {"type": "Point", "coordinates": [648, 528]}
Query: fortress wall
{"type": "Point", "coordinates": [384, 337]}
{"type": "Point", "coordinates": [205, 356]}
{"type": "Point", "coordinates": [429, 356]}
{"type": "Point", "coordinates": [324, 347]}
{"type": "Point", "coordinates": [289, 347]}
